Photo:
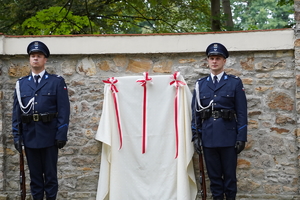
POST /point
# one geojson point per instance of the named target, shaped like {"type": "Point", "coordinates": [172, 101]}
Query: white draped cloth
{"type": "Point", "coordinates": [146, 144]}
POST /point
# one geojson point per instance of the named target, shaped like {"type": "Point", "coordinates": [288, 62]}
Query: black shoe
{"type": "Point", "coordinates": [230, 198]}
{"type": "Point", "coordinates": [51, 198]}
{"type": "Point", "coordinates": [217, 199]}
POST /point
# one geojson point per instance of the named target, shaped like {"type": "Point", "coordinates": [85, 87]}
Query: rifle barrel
{"type": "Point", "coordinates": [202, 177]}
{"type": "Point", "coordinates": [22, 176]}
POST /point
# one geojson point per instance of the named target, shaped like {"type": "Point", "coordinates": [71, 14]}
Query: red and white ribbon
{"type": "Point", "coordinates": [112, 81]}
{"type": "Point", "coordinates": [177, 83]}
{"type": "Point", "coordinates": [143, 83]}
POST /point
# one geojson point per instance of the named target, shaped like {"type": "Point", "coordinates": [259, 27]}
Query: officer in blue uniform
{"type": "Point", "coordinates": [219, 123]}
{"type": "Point", "coordinates": [40, 121]}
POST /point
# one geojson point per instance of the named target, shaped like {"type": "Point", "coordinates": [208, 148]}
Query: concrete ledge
{"type": "Point", "coordinates": [281, 39]}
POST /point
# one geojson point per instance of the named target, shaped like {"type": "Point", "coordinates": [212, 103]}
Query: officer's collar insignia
{"type": "Point", "coordinates": [46, 76]}
{"type": "Point", "coordinates": [207, 78]}
{"type": "Point", "coordinates": [225, 77]}
{"type": "Point", "coordinates": [29, 78]}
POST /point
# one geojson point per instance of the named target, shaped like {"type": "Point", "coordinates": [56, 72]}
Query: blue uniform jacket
{"type": "Point", "coordinates": [51, 96]}
{"type": "Point", "coordinates": [229, 94]}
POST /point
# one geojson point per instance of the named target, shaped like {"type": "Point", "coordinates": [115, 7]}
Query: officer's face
{"type": "Point", "coordinates": [37, 61]}
{"type": "Point", "coordinates": [216, 64]}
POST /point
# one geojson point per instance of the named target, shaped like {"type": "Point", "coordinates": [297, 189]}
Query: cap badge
{"type": "Point", "coordinates": [215, 47]}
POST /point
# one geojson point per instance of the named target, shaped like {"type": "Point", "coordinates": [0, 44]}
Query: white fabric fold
{"type": "Point", "coordinates": [128, 174]}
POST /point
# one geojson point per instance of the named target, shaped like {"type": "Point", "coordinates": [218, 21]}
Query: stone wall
{"type": "Point", "coordinates": [267, 169]}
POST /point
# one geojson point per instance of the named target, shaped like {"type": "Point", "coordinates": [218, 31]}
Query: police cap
{"type": "Point", "coordinates": [217, 49]}
{"type": "Point", "coordinates": [38, 46]}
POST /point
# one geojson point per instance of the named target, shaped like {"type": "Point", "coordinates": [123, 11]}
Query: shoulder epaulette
{"type": "Point", "coordinates": [203, 78]}
{"type": "Point", "coordinates": [24, 77]}
{"type": "Point", "coordinates": [233, 76]}
{"type": "Point", "coordinates": [55, 75]}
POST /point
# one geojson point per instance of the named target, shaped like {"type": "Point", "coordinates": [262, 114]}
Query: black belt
{"type": "Point", "coordinates": [44, 117]}
{"type": "Point", "coordinates": [216, 114]}
{"type": "Point", "coordinates": [222, 113]}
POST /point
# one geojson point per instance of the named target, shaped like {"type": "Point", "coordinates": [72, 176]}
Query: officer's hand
{"type": "Point", "coordinates": [60, 144]}
{"type": "Point", "coordinates": [18, 146]}
{"type": "Point", "coordinates": [239, 145]}
{"type": "Point", "coordinates": [197, 144]}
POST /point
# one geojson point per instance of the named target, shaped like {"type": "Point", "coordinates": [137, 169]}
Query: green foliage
{"type": "Point", "coordinates": [285, 2]}
{"type": "Point", "coordinates": [136, 16]}
{"type": "Point", "coordinates": [14, 12]}
{"type": "Point", "coordinates": [55, 21]}
{"type": "Point", "coordinates": [258, 14]}
{"type": "Point", "coordinates": [108, 16]}
{"type": "Point", "coordinates": [19, 17]}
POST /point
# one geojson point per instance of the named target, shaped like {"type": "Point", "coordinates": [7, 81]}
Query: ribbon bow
{"type": "Point", "coordinates": [143, 82]}
{"type": "Point", "coordinates": [177, 83]}
{"type": "Point", "coordinates": [112, 81]}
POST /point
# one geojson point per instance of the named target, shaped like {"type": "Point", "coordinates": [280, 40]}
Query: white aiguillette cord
{"type": "Point", "coordinates": [29, 105]}
{"type": "Point", "coordinates": [198, 100]}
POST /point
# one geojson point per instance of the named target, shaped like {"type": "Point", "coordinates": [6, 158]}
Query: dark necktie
{"type": "Point", "coordinates": [36, 77]}
{"type": "Point", "coordinates": [215, 81]}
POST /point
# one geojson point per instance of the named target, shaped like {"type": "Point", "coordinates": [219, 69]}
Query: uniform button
{"type": "Point", "coordinates": [35, 102]}
{"type": "Point", "coordinates": [215, 104]}
{"type": "Point", "coordinates": [36, 111]}
{"type": "Point", "coordinates": [36, 94]}
{"type": "Point", "coordinates": [48, 93]}
{"type": "Point", "coordinates": [215, 119]}
{"type": "Point", "coordinates": [215, 95]}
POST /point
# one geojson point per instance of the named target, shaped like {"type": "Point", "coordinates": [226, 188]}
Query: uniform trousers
{"type": "Point", "coordinates": [42, 164]}
{"type": "Point", "coordinates": [221, 169]}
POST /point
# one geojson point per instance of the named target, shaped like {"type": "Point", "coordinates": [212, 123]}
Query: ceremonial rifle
{"type": "Point", "coordinates": [22, 171]}
{"type": "Point", "coordinates": [202, 176]}
{"type": "Point", "coordinates": [201, 161]}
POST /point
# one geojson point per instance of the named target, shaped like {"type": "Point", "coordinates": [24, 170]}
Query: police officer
{"type": "Point", "coordinates": [219, 122]}
{"type": "Point", "coordinates": [40, 121]}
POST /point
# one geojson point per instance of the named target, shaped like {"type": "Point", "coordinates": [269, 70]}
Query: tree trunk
{"type": "Point", "coordinates": [215, 15]}
{"type": "Point", "coordinates": [228, 15]}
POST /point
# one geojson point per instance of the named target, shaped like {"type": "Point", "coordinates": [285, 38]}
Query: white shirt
{"type": "Point", "coordinates": [41, 75]}
{"type": "Point", "coordinates": [219, 76]}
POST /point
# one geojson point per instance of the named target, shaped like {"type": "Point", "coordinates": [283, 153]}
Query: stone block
{"type": "Point", "coordinates": [163, 66]}
{"type": "Point", "coordinates": [120, 61]}
{"type": "Point", "coordinates": [3, 197]}
{"type": "Point", "coordinates": [280, 100]}
{"type": "Point", "coordinates": [190, 60]}
{"type": "Point", "coordinates": [247, 64]}
{"type": "Point", "coordinates": [18, 71]}
{"type": "Point", "coordinates": [86, 66]}
{"type": "Point", "coordinates": [272, 145]}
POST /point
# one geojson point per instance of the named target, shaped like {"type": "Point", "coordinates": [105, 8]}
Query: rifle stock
{"type": "Point", "coordinates": [202, 177]}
